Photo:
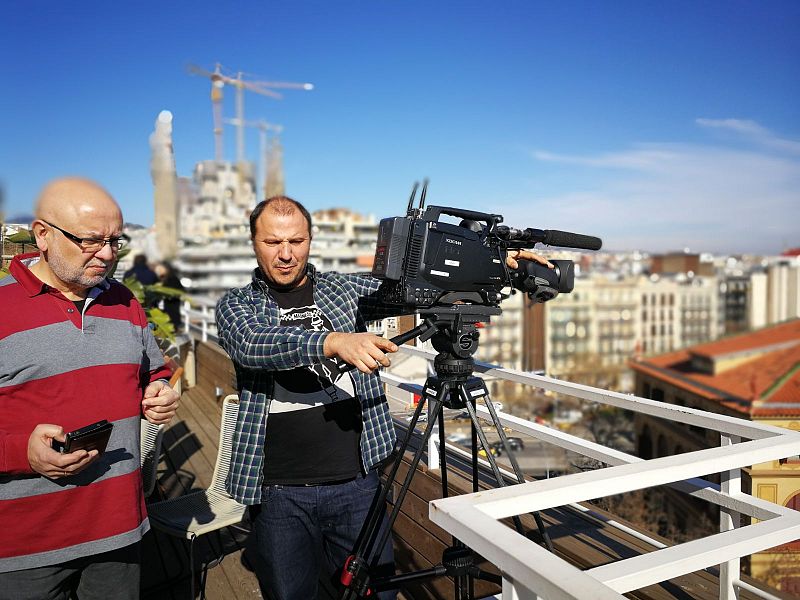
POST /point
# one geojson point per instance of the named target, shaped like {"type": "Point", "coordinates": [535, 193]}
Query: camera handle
{"type": "Point", "coordinates": [432, 213]}
{"type": "Point", "coordinates": [424, 331]}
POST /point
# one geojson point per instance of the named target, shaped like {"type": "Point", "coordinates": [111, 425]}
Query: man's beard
{"type": "Point", "coordinates": [75, 275]}
{"type": "Point", "coordinates": [281, 285]}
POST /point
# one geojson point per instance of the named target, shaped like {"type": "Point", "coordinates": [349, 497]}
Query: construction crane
{"type": "Point", "coordinates": [218, 81]}
{"type": "Point", "coordinates": [263, 128]}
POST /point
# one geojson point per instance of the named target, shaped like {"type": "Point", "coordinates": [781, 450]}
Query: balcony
{"type": "Point", "coordinates": [596, 554]}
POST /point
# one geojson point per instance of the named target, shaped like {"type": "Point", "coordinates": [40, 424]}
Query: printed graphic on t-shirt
{"type": "Point", "coordinates": [295, 389]}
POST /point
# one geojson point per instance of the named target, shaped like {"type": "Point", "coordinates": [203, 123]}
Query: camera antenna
{"type": "Point", "coordinates": [424, 193]}
{"type": "Point", "coordinates": [411, 199]}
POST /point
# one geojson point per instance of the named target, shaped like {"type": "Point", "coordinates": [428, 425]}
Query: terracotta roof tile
{"type": "Point", "coordinates": [788, 331]}
{"type": "Point", "coordinates": [772, 378]}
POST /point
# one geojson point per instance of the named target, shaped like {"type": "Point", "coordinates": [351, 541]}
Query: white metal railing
{"type": "Point", "coordinates": [198, 316]}
{"type": "Point", "coordinates": [529, 571]}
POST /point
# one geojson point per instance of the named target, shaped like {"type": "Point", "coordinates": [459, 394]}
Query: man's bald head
{"type": "Point", "coordinates": [73, 200]}
{"type": "Point", "coordinates": [70, 210]}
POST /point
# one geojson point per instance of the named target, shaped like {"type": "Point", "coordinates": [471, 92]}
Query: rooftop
{"type": "Point", "coordinates": [755, 373]}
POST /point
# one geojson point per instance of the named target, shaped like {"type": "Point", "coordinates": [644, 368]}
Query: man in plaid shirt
{"type": "Point", "coordinates": [308, 438]}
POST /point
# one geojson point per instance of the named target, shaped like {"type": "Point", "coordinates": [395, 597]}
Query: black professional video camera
{"type": "Point", "coordinates": [425, 262]}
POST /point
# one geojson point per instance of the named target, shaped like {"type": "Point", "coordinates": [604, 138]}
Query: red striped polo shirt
{"type": "Point", "coordinates": [64, 367]}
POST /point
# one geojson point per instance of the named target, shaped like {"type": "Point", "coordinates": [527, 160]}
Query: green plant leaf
{"type": "Point", "coordinates": [159, 290]}
{"type": "Point", "coordinates": [162, 326]}
{"type": "Point", "coordinates": [23, 236]}
{"type": "Point", "coordinates": [136, 288]}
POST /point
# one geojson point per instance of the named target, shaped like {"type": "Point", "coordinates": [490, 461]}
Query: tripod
{"type": "Point", "coordinates": [453, 332]}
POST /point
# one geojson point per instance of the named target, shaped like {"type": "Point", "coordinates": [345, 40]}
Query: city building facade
{"type": "Point", "coordinates": [755, 375]}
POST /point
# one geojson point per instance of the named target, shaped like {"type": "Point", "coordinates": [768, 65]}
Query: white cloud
{"type": "Point", "coordinates": [738, 125]}
{"type": "Point", "coordinates": [753, 131]}
{"type": "Point", "coordinates": [709, 197]}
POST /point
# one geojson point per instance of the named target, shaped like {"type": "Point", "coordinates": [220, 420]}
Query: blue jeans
{"type": "Point", "coordinates": [303, 536]}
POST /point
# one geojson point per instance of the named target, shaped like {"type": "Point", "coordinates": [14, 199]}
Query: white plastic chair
{"type": "Point", "coordinates": [151, 440]}
{"type": "Point", "coordinates": [152, 437]}
{"type": "Point", "coordinates": [203, 511]}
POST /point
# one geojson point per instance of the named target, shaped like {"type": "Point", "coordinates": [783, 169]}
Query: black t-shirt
{"type": "Point", "coordinates": [314, 424]}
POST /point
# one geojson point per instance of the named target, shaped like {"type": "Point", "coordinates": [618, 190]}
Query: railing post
{"type": "Point", "coordinates": [204, 324]}
{"type": "Point", "coordinates": [186, 306]}
{"type": "Point", "coordinates": [512, 592]}
{"type": "Point", "coordinates": [731, 485]}
{"type": "Point", "coordinates": [190, 364]}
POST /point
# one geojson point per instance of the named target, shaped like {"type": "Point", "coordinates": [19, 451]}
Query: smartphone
{"type": "Point", "coordinates": [91, 437]}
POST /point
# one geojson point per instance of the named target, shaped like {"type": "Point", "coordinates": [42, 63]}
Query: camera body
{"type": "Point", "coordinates": [425, 262]}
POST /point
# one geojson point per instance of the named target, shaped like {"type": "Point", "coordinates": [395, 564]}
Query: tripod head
{"type": "Point", "coordinates": [453, 331]}
{"type": "Point", "coordinates": [456, 332]}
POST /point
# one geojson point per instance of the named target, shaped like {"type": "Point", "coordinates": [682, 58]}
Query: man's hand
{"type": "Point", "coordinates": [46, 461]}
{"type": "Point", "coordinates": [365, 351]}
{"type": "Point", "coordinates": [511, 259]}
{"type": "Point", "coordinates": [159, 403]}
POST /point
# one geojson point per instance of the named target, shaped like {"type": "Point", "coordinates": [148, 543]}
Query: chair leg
{"type": "Point", "coordinates": [206, 565]}
{"type": "Point", "coordinates": [203, 577]}
{"type": "Point", "coordinates": [191, 564]}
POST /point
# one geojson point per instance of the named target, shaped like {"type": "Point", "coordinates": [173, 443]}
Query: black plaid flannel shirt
{"type": "Point", "coordinates": [249, 331]}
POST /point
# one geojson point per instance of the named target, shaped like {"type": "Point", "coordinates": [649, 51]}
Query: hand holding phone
{"type": "Point", "coordinates": [46, 461]}
{"type": "Point", "coordinates": [91, 437]}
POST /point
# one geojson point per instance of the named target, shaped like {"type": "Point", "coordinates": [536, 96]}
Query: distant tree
{"type": "Point", "coordinates": [587, 368]}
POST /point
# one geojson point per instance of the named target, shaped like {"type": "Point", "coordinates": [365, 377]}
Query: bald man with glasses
{"type": "Point", "coordinates": [75, 348]}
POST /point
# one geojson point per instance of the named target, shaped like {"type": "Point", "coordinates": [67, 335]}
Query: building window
{"type": "Point", "coordinates": [658, 395]}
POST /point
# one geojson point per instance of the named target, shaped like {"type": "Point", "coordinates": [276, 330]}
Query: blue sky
{"type": "Point", "coordinates": [654, 125]}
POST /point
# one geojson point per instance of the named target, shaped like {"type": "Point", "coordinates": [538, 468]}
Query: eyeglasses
{"type": "Point", "coordinates": [93, 244]}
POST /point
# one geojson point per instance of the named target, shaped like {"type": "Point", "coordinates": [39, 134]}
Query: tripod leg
{"type": "Point", "coordinates": [442, 455]}
{"type": "Point", "coordinates": [368, 530]}
{"type": "Point", "coordinates": [474, 434]}
{"type": "Point", "coordinates": [489, 457]}
{"type": "Point", "coordinates": [436, 408]}
{"type": "Point", "coordinates": [359, 560]}
{"type": "Point", "coordinates": [361, 563]}
{"type": "Point", "coordinates": [515, 465]}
